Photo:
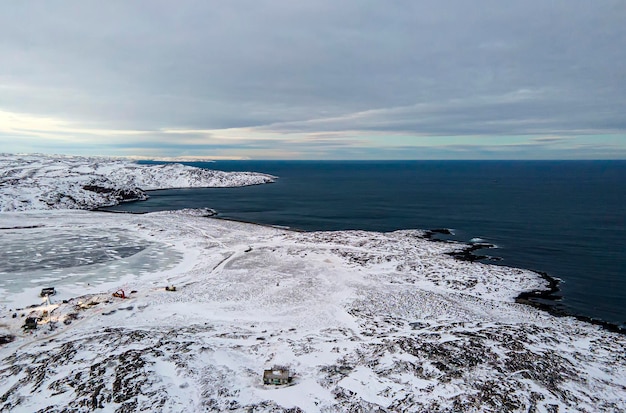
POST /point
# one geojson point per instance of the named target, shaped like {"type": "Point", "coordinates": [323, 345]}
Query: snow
{"type": "Point", "coordinates": [365, 322]}
{"type": "Point", "coordinates": [36, 182]}
{"type": "Point", "coordinates": [361, 325]}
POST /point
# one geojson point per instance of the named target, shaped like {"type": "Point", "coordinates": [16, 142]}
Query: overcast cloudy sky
{"type": "Point", "coordinates": [483, 79]}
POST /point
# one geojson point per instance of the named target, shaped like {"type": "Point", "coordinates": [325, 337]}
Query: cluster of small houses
{"type": "Point", "coordinates": [277, 375]}
{"type": "Point", "coordinates": [30, 323]}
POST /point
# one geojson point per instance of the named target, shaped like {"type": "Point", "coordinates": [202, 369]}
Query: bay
{"type": "Point", "coordinates": [566, 218]}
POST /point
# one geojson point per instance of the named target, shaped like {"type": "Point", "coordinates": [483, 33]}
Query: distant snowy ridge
{"type": "Point", "coordinates": [40, 182]}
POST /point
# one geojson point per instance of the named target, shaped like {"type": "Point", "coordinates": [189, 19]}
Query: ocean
{"type": "Point", "coordinates": [564, 218]}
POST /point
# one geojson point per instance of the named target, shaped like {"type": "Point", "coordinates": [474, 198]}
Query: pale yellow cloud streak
{"type": "Point", "coordinates": [12, 123]}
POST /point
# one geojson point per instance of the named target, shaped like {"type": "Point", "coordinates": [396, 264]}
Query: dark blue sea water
{"type": "Point", "coordinates": [566, 218]}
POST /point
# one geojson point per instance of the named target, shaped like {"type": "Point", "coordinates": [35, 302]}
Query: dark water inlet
{"type": "Point", "coordinates": [566, 218]}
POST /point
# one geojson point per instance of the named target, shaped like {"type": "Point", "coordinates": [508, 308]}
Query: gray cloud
{"type": "Point", "coordinates": [427, 67]}
{"type": "Point", "coordinates": [486, 152]}
{"type": "Point", "coordinates": [551, 139]}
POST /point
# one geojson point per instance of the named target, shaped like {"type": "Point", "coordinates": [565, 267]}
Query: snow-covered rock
{"type": "Point", "coordinates": [35, 182]}
{"type": "Point", "coordinates": [364, 321]}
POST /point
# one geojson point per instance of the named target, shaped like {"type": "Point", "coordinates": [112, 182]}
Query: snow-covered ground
{"type": "Point", "coordinates": [365, 321]}
{"type": "Point", "coordinates": [36, 182]}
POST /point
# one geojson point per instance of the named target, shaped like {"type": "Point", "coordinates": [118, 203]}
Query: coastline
{"type": "Point", "coordinates": [542, 299]}
{"type": "Point", "coordinates": [339, 307]}
{"type": "Point", "coordinates": [592, 277]}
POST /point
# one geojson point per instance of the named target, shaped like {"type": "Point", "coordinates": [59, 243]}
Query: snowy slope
{"type": "Point", "coordinates": [365, 321]}
{"type": "Point", "coordinates": [30, 182]}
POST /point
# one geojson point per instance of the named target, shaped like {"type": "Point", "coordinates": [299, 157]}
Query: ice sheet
{"type": "Point", "coordinates": [33, 258]}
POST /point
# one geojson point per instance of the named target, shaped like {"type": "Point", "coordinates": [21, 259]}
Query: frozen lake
{"type": "Point", "coordinates": [42, 257]}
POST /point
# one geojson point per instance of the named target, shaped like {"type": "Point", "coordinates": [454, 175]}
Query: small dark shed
{"type": "Point", "coordinates": [30, 323]}
{"type": "Point", "coordinates": [47, 291]}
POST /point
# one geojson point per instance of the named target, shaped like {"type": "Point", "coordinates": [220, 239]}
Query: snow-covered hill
{"type": "Point", "coordinates": [38, 182]}
{"type": "Point", "coordinates": [366, 322]}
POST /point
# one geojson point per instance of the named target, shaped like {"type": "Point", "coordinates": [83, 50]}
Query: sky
{"type": "Point", "coordinates": [284, 79]}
